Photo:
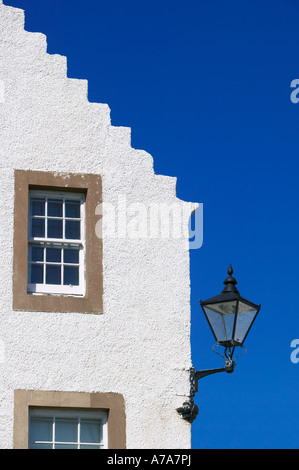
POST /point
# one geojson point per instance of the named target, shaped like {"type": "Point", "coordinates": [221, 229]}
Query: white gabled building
{"type": "Point", "coordinates": [95, 282]}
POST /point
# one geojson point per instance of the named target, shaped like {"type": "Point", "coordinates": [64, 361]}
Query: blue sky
{"type": "Point", "coordinates": [205, 87]}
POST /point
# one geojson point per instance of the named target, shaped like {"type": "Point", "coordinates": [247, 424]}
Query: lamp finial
{"type": "Point", "coordinates": [230, 270]}
{"type": "Point", "coordinates": [230, 282]}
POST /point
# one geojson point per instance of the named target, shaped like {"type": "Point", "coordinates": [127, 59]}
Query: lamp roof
{"type": "Point", "coordinates": [229, 293]}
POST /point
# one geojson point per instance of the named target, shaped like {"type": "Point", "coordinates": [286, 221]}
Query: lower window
{"type": "Point", "coordinates": [71, 429]}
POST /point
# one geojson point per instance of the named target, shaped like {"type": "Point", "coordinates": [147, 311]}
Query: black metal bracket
{"type": "Point", "coordinates": [199, 374]}
{"type": "Point", "coordinates": [189, 410]}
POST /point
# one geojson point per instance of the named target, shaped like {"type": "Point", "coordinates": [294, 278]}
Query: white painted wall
{"type": "Point", "coordinates": [140, 346]}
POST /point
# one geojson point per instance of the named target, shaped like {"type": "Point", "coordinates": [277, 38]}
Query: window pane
{"type": "Point", "coordinates": [55, 207]}
{"type": "Point", "coordinates": [72, 209]}
{"type": "Point", "coordinates": [71, 256]}
{"type": "Point", "coordinates": [38, 228]}
{"type": "Point", "coordinates": [37, 253]}
{"type": "Point", "coordinates": [246, 315]}
{"type": "Point", "coordinates": [53, 274]}
{"type": "Point", "coordinates": [37, 207]}
{"type": "Point", "coordinates": [36, 274]}
{"type": "Point", "coordinates": [89, 446]}
{"type": "Point", "coordinates": [41, 446]}
{"type": "Point", "coordinates": [221, 317]}
{"type": "Point", "coordinates": [71, 275]}
{"type": "Point", "coordinates": [66, 430]}
{"type": "Point", "coordinates": [41, 429]}
{"type": "Point", "coordinates": [91, 431]}
{"type": "Point", "coordinates": [72, 230]}
{"type": "Point", "coordinates": [66, 446]}
{"type": "Point", "coordinates": [54, 228]}
{"type": "Point", "coordinates": [53, 255]}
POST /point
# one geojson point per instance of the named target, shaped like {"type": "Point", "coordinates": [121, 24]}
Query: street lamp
{"type": "Point", "coordinates": [230, 318]}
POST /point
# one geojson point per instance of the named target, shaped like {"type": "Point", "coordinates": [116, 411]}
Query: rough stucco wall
{"type": "Point", "coordinates": [140, 345]}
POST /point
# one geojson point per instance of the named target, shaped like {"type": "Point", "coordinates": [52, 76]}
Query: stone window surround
{"type": "Point", "coordinates": [112, 403]}
{"type": "Point", "coordinates": [92, 186]}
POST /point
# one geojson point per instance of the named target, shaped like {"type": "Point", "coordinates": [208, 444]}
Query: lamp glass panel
{"type": "Point", "coordinates": [221, 317]}
{"type": "Point", "coordinates": [246, 315]}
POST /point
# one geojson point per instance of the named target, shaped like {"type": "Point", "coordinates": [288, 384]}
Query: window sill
{"type": "Point", "coordinates": [57, 294]}
{"type": "Point", "coordinates": [58, 303]}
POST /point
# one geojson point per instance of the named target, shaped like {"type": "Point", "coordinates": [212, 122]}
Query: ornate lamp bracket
{"type": "Point", "coordinates": [189, 410]}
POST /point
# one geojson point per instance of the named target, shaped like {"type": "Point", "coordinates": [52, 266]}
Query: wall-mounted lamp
{"type": "Point", "coordinates": [230, 318]}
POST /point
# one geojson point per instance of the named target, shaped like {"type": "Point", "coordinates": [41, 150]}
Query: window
{"type": "Point", "coordinates": [57, 255]}
{"type": "Point", "coordinates": [56, 243]}
{"type": "Point", "coordinates": [62, 429]}
{"type": "Point", "coordinates": [52, 419]}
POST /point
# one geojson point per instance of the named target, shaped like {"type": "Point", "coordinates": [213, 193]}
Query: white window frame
{"type": "Point", "coordinates": [58, 243]}
{"type": "Point", "coordinates": [79, 415]}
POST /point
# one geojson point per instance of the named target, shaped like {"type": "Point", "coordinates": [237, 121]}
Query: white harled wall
{"type": "Point", "coordinates": [140, 345]}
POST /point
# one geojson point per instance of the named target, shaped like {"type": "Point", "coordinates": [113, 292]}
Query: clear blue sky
{"type": "Point", "coordinates": [205, 87]}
